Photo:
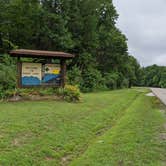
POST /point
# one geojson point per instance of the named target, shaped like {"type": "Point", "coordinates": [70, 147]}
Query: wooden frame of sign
{"type": "Point", "coordinates": [47, 56]}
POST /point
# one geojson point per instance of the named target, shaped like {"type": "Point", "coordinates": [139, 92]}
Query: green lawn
{"type": "Point", "coordinates": [107, 128]}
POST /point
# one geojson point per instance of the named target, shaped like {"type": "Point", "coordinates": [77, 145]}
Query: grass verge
{"type": "Point", "coordinates": [107, 128]}
{"type": "Point", "coordinates": [134, 140]}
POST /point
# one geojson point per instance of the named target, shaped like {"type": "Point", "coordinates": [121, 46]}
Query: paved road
{"type": "Point", "coordinates": [160, 93]}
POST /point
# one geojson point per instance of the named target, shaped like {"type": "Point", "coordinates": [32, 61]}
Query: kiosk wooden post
{"type": "Point", "coordinates": [19, 66]}
{"type": "Point", "coordinates": [63, 72]}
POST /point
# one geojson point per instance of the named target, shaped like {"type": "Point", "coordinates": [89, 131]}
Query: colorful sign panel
{"type": "Point", "coordinates": [51, 74]}
{"type": "Point", "coordinates": [34, 74]}
{"type": "Point", "coordinates": [31, 73]}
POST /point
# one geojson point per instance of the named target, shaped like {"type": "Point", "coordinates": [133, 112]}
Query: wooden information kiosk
{"type": "Point", "coordinates": [40, 68]}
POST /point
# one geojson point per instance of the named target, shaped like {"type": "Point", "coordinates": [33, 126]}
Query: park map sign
{"type": "Point", "coordinates": [47, 73]}
{"type": "Point", "coordinates": [34, 74]}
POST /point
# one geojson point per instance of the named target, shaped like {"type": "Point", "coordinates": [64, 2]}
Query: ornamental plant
{"type": "Point", "coordinates": [71, 93]}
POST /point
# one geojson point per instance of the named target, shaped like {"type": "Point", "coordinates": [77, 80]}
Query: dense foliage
{"type": "Point", "coordinates": [153, 76]}
{"type": "Point", "coordinates": [84, 28]}
{"type": "Point", "coordinates": [7, 74]}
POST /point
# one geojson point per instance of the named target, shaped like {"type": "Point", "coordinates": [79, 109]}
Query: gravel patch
{"type": "Point", "coordinates": [150, 94]}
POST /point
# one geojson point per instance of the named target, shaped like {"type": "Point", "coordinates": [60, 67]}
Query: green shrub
{"type": "Point", "coordinates": [74, 76]}
{"type": "Point", "coordinates": [125, 83]}
{"type": "Point", "coordinates": [92, 80]}
{"type": "Point", "coordinates": [10, 92]}
{"type": "Point", "coordinates": [7, 73]}
{"type": "Point", "coordinates": [47, 91]}
{"type": "Point", "coordinates": [111, 80]}
{"type": "Point", "coordinates": [162, 83]}
{"type": "Point", "coordinates": [71, 93]}
{"type": "Point", "coordinates": [1, 92]}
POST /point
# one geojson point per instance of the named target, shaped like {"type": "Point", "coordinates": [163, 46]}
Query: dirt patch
{"type": "Point", "coordinates": [33, 98]}
{"type": "Point", "coordinates": [21, 139]}
{"type": "Point", "coordinates": [16, 142]}
{"type": "Point", "coordinates": [65, 159]}
{"type": "Point", "coordinates": [163, 163]}
{"type": "Point", "coordinates": [164, 126]}
{"type": "Point", "coordinates": [162, 136]}
{"type": "Point", "coordinates": [15, 99]}
{"type": "Point", "coordinates": [120, 163]}
{"type": "Point", "coordinates": [103, 130]}
{"type": "Point", "coordinates": [49, 158]}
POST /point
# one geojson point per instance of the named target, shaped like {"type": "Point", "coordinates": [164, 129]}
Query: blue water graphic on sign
{"type": "Point", "coordinates": [48, 78]}
{"type": "Point", "coordinates": [30, 81]}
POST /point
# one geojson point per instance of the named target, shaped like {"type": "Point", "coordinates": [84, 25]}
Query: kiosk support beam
{"type": "Point", "coordinates": [19, 66]}
{"type": "Point", "coordinates": [63, 72]}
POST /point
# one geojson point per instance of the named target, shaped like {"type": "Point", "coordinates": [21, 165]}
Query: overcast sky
{"type": "Point", "coordinates": [144, 24]}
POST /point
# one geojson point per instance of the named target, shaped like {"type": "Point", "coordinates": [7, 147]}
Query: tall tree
{"type": "Point", "coordinates": [86, 28]}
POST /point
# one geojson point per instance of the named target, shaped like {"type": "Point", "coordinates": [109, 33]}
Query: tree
{"type": "Point", "coordinates": [86, 28]}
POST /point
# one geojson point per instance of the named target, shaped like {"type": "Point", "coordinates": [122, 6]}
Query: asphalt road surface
{"type": "Point", "coordinates": [160, 93]}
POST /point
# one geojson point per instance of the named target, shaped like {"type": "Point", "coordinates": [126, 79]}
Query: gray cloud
{"type": "Point", "coordinates": [143, 23]}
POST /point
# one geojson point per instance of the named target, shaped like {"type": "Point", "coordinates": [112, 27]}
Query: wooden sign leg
{"type": "Point", "coordinates": [63, 72]}
{"type": "Point", "coordinates": [19, 69]}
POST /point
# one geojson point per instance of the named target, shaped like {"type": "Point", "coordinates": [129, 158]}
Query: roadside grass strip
{"type": "Point", "coordinates": [55, 133]}
{"type": "Point", "coordinates": [121, 127]}
{"type": "Point", "coordinates": [133, 141]}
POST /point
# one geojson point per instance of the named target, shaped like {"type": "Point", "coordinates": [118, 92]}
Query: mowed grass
{"type": "Point", "coordinates": [133, 141]}
{"type": "Point", "coordinates": [108, 128]}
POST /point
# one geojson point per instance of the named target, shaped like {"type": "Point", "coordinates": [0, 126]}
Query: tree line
{"type": "Point", "coordinates": [86, 28]}
{"type": "Point", "coordinates": [153, 76]}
